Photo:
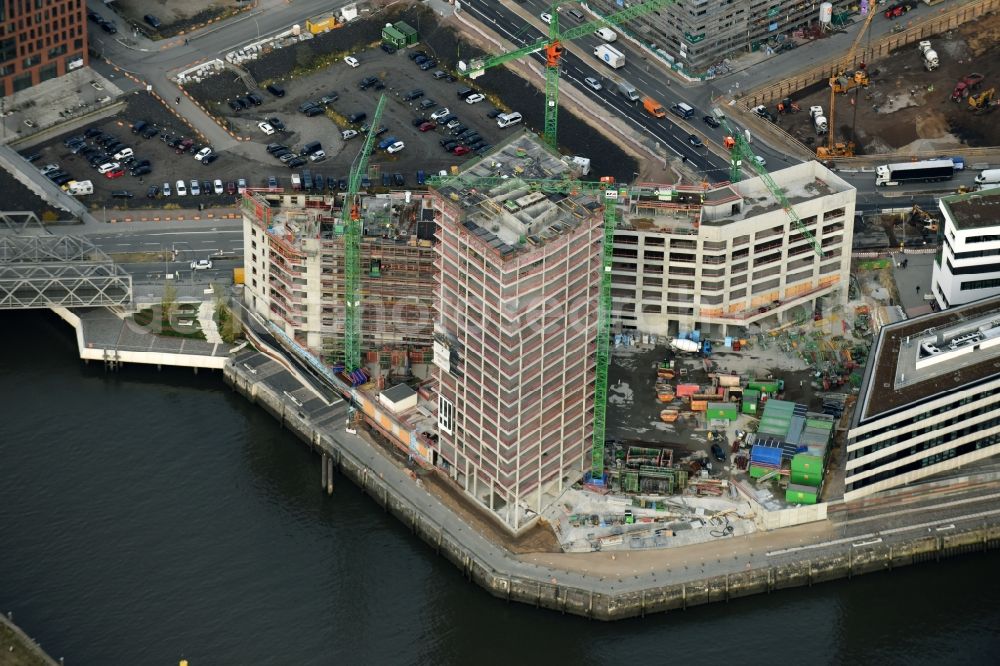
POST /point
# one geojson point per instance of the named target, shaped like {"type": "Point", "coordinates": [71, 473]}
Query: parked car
{"type": "Point", "coordinates": [398, 180]}
{"type": "Point", "coordinates": [461, 150]}
{"type": "Point", "coordinates": [255, 98]}
{"type": "Point", "coordinates": [241, 185]}
{"type": "Point", "coordinates": [276, 90]}
{"type": "Point", "coordinates": [195, 187]}
{"type": "Point", "coordinates": [166, 189]}
{"type": "Point", "coordinates": [152, 21]}
{"type": "Point", "coordinates": [104, 168]}
{"type": "Point", "coordinates": [121, 194]}
{"type": "Point", "coordinates": [296, 162]}
{"type": "Point", "coordinates": [314, 111]}
{"type": "Point", "coordinates": [210, 158]}
{"type": "Point", "coordinates": [439, 74]}
{"type": "Point", "coordinates": [217, 186]}
{"type": "Point", "coordinates": [352, 61]}
{"type": "Point", "coordinates": [140, 171]}
{"type": "Point", "coordinates": [367, 82]}
{"type": "Point", "coordinates": [388, 48]}
{"type": "Point", "coordinates": [475, 98]}
{"type": "Point", "coordinates": [426, 127]}
{"type": "Point", "coordinates": [428, 64]}
{"type": "Point", "coordinates": [348, 134]}
{"type": "Point", "coordinates": [152, 191]}
{"type": "Point", "coordinates": [395, 147]}
{"type": "Point", "coordinates": [718, 453]}
{"type": "Point", "coordinates": [416, 93]}
{"type": "Point", "coordinates": [150, 132]}
{"type": "Point", "coordinates": [440, 113]}
{"type": "Point", "coordinates": [181, 188]}
{"type": "Point", "coordinates": [203, 153]}
{"type": "Point", "coordinates": [230, 187]}
{"type": "Point", "coordinates": [711, 121]}
{"type": "Point", "coordinates": [265, 128]}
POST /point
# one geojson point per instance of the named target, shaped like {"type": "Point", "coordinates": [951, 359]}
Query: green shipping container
{"type": "Point", "coordinates": [796, 494]}
{"type": "Point", "coordinates": [722, 410]}
{"type": "Point", "coordinates": [392, 36]}
{"type": "Point", "coordinates": [807, 470]}
{"type": "Point", "coordinates": [757, 472]}
{"type": "Point", "coordinates": [750, 399]}
{"type": "Point", "coordinates": [408, 31]}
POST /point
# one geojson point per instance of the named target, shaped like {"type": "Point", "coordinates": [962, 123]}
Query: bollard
{"type": "Point", "coordinates": [322, 482]}
{"type": "Point", "coordinates": [329, 477]}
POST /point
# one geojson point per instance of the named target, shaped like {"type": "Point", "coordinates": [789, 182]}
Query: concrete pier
{"type": "Point", "coordinates": [572, 590]}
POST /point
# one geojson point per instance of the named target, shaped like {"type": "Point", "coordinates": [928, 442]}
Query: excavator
{"type": "Point", "coordinates": [921, 218]}
{"type": "Point", "coordinates": [842, 83]}
{"type": "Point", "coordinates": [983, 101]}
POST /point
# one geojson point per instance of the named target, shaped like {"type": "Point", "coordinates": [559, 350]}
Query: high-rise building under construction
{"type": "Point", "coordinates": [518, 277]}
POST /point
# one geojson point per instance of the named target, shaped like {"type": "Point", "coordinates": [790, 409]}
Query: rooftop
{"type": "Point", "coordinates": [512, 215]}
{"type": "Point", "coordinates": [974, 210]}
{"type": "Point", "coordinates": [917, 359]}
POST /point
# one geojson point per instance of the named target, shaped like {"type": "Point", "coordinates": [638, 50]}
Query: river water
{"type": "Point", "coordinates": [150, 516]}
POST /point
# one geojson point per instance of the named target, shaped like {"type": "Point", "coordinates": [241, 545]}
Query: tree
{"type": "Point", "coordinates": [168, 305]}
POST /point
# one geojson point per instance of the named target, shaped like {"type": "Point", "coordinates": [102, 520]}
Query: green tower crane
{"type": "Point", "coordinates": [351, 227]}
{"type": "Point", "coordinates": [552, 45]}
{"type": "Point", "coordinates": [740, 151]}
{"type": "Point", "coordinates": [609, 193]}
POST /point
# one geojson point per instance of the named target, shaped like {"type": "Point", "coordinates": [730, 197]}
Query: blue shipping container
{"type": "Point", "coordinates": [766, 455]}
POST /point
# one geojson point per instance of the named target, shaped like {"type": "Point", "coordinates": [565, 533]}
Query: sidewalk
{"type": "Point", "coordinates": [172, 215]}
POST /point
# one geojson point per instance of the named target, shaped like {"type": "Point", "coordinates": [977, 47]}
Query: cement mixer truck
{"type": "Point", "coordinates": [930, 56]}
{"type": "Point", "coordinates": [819, 120]}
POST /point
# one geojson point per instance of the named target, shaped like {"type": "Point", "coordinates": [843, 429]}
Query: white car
{"type": "Point", "coordinates": [352, 61]}
{"type": "Point", "coordinates": [201, 264]}
{"type": "Point", "coordinates": [109, 166]}
{"type": "Point", "coordinates": [318, 156]}
{"type": "Point", "coordinates": [440, 113]}
{"type": "Point", "coordinates": [50, 168]}
{"type": "Point", "coordinates": [265, 128]}
{"type": "Point", "coordinates": [180, 188]}
{"type": "Point", "coordinates": [348, 134]}
{"type": "Point", "coordinates": [760, 160]}
{"type": "Point", "coordinates": [195, 187]}
{"type": "Point", "coordinates": [477, 97]}
{"type": "Point", "coordinates": [203, 153]}
{"type": "Point", "coordinates": [217, 186]}
{"type": "Point", "coordinates": [593, 83]}
{"type": "Point", "coordinates": [396, 147]}
{"type": "Point", "coordinates": [241, 185]}
{"type": "Point", "coordinates": [546, 18]}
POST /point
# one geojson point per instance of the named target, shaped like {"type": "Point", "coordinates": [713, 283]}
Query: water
{"type": "Point", "coordinates": [148, 516]}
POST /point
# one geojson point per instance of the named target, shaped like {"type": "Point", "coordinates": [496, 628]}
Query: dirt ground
{"type": "Point", "coordinates": [503, 88]}
{"type": "Point", "coordinates": [17, 197]}
{"type": "Point", "coordinates": [909, 109]}
{"type": "Point", "coordinates": [176, 15]}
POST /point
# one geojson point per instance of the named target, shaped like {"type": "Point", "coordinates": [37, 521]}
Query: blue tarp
{"type": "Point", "coordinates": [766, 455]}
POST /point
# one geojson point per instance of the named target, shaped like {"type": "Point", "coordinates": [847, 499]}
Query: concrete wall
{"type": "Point", "coordinates": [600, 602]}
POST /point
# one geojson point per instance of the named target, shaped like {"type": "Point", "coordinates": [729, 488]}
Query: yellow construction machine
{"type": "Point", "coordinates": [983, 101]}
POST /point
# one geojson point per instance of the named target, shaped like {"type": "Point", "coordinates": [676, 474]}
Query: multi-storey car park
{"type": "Point", "coordinates": [720, 258]}
{"type": "Point", "coordinates": [699, 34]}
{"type": "Point", "coordinates": [966, 268]}
{"type": "Point", "coordinates": [518, 276]}
{"type": "Point", "coordinates": [294, 262]}
{"type": "Point", "coordinates": [930, 399]}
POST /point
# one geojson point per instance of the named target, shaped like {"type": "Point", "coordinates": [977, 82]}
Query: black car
{"type": "Point", "coordinates": [357, 117]}
{"type": "Point", "coordinates": [208, 159]}
{"type": "Point", "coordinates": [420, 59]}
{"type": "Point", "coordinates": [206, 187]}
{"type": "Point", "coordinates": [276, 123]}
{"type": "Point", "coordinates": [297, 162]}
{"type": "Point", "coordinates": [477, 145]}
{"type": "Point", "coordinates": [99, 158]}
{"type": "Point", "coordinates": [381, 130]}
{"type": "Point", "coordinates": [695, 141]}
{"type": "Point", "coordinates": [93, 131]}
{"type": "Point", "coordinates": [388, 48]}
{"type": "Point", "coordinates": [305, 106]}
{"type": "Point", "coordinates": [342, 184]}
{"type": "Point", "coordinates": [63, 179]}
{"type": "Point", "coordinates": [272, 148]}
{"type": "Point", "coordinates": [108, 27]}
{"type": "Point", "coordinates": [470, 139]}
{"type": "Point", "coordinates": [280, 152]}
{"type": "Point", "coordinates": [31, 157]}
{"type": "Point", "coordinates": [314, 111]}
{"type": "Point", "coordinates": [140, 170]}
{"type": "Point", "coordinates": [450, 145]}
{"type": "Point", "coordinates": [427, 103]}
{"type": "Point", "coordinates": [150, 132]}
{"type": "Point", "coordinates": [447, 119]}
{"type": "Point", "coordinates": [88, 151]}
{"type": "Point", "coordinates": [711, 121]}
{"type": "Point", "coordinates": [93, 16]}
{"type": "Point", "coordinates": [386, 179]}
{"type": "Point", "coordinates": [398, 180]}
{"type": "Point", "coordinates": [465, 92]}
{"type": "Point", "coordinates": [418, 54]}
{"type": "Point", "coordinates": [121, 194]}
{"type": "Point", "coordinates": [456, 131]}
{"type": "Point", "coordinates": [439, 74]}
{"type": "Point", "coordinates": [235, 105]}
{"type": "Point", "coordinates": [138, 127]}
{"type": "Point", "coordinates": [718, 453]}
{"type": "Point", "coordinates": [276, 90]}
{"type": "Point", "coordinates": [367, 82]}
{"type": "Point", "coordinates": [416, 93]}
{"type": "Point", "coordinates": [417, 122]}
{"type": "Point", "coordinates": [255, 98]}
{"type": "Point", "coordinates": [152, 191]}
{"type": "Point", "coordinates": [142, 163]}
{"type": "Point", "coordinates": [154, 22]}
{"type": "Point", "coordinates": [74, 139]}
{"type": "Point", "coordinates": [427, 64]}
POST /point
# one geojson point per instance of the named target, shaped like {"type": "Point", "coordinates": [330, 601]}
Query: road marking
{"type": "Point", "coordinates": [968, 500]}
{"type": "Point", "coordinates": [870, 542]}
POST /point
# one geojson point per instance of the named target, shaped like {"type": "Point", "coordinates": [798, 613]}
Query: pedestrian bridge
{"type": "Point", "coordinates": [41, 270]}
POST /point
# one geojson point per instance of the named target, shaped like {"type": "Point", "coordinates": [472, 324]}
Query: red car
{"type": "Point", "coordinates": [461, 150]}
{"type": "Point", "coordinates": [115, 173]}
{"type": "Point", "coordinates": [427, 127]}
{"type": "Point", "coordinates": [230, 187]}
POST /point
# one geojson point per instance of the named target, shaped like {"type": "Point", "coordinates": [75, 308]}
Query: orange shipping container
{"type": "Point", "coordinates": [699, 405]}
{"type": "Point", "coordinates": [684, 390]}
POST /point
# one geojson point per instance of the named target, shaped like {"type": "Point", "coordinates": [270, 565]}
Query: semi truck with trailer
{"type": "Point", "coordinates": [914, 172]}
{"type": "Point", "coordinates": [611, 56]}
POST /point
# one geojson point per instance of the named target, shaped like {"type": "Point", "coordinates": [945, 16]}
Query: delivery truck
{"type": "Point", "coordinates": [627, 90]}
{"type": "Point", "coordinates": [79, 187]}
{"type": "Point", "coordinates": [988, 179]}
{"type": "Point", "coordinates": [611, 56]}
{"type": "Point", "coordinates": [914, 172]}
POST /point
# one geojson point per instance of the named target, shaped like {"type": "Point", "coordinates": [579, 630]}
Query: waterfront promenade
{"type": "Point", "coordinates": [895, 531]}
{"type": "Point", "coordinates": [17, 649]}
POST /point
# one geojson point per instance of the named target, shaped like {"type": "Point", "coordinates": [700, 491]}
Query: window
{"type": "Point", "coordinates": [446, 414]}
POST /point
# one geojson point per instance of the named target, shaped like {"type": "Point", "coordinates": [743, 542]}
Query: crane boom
{"type": "Point", "coordinates": [351, 217]}
{"type": "Point", "coordinates": [840, 83]}
{"type": "Point", "coordinates": [741, 152]}
{"type": "Point", "coordinates": [552, 45]}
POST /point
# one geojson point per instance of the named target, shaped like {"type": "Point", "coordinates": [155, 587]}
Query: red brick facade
{"type": "Point", "coordinates": [38, 40]}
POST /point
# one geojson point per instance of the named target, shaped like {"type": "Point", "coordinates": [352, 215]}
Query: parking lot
{"type": "Point", "coordinates": [398, 76]}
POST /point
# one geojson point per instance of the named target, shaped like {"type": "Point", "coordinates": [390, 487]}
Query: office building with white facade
{"type": "Point", "coordinates": [967, 268]}
{"type": "Point", "coordinates": [725, 258]}
{"type": "Point", "coordinates": [929, 402]}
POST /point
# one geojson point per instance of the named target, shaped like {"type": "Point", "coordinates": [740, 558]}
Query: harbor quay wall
{"type": "Point", "coordinates": [501, 574]}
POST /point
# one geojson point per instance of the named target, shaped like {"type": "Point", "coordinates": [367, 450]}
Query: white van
{"type": "Point", "coordinates": [988, 178]}
{"type": "Point", "coordinates": [607, 34]}
{"type": "Point", "coordinates": [508, 119]}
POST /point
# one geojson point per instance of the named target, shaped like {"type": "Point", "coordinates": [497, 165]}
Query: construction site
{"type": "Point", "coordinates": [920, 92]}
